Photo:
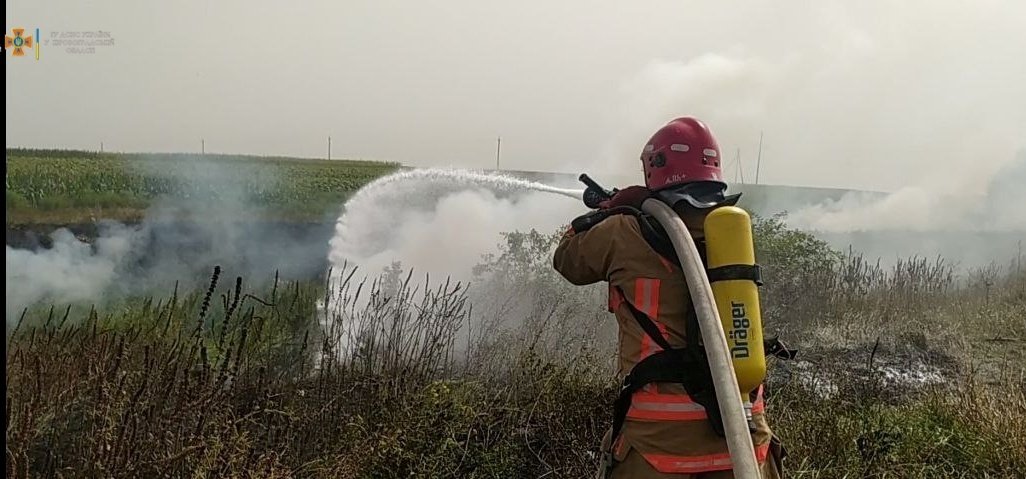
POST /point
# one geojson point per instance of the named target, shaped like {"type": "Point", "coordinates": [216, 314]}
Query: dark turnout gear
{"type": "Point", "coordinates": [665, 432]}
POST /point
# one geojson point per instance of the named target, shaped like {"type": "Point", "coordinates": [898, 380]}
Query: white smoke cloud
{"type": "Point", "coordinates": [918, 102]}
{"type": "Point", "coordinates": [918, 97]}
{"type": "Point", "coordinates": [997, 207]}
{"type": "Point", "coordinates": [70, 271]}
{"type": "Point", "coordinates": [441, 222]}
{"type": "Point", "coordinates": [465, 225]}
{"type": "Point", "coordinates": [908, 209]}
{"type": "Point", "coordinates": [180, 240]}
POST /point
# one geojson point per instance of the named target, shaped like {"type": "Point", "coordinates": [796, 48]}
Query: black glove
{"type": "Point", "coordinates": [586, 221]}
{"type": "Point", "coordinates": [632, 196]}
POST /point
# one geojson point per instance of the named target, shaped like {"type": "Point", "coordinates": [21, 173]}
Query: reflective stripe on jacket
{"type": "Point", "coordinates": [663, 424]}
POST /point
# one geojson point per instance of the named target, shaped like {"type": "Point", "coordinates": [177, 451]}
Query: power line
{"type": "Point", "coordinates": [758, 161]}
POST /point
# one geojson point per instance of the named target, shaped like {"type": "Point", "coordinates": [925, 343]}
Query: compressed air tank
{"type": "Point", "coordinates": [733, 275]}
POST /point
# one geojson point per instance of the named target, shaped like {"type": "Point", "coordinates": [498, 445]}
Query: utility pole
{"type": "Point", "coordinates": [101, 147]}
{"type": "Point", "coordinates": [733, 162]}
{"type": "Point", "coordinates": [1018, 269]}
{"type": "Point", "coordinates": [758, 161]}
{"type": "Point", "coordinates": [1018, 259]}
{"type": "Point", "coordinates": [741, 167]}
{"type": "Point", "coordinates": [498, 151]}
{"type": "Point", "coordinates": [203, 146]}
{"type": "Point", "coordinates": [329, 147]}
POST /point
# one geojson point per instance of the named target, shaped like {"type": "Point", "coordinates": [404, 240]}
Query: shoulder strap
{"type": "Point", "coordinates": [647, 324]}
{"type": "Point", "coordinates": [653, 234]}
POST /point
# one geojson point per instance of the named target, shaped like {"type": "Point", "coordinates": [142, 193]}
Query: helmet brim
{"type": "Point", "coordinates": [701, 195]}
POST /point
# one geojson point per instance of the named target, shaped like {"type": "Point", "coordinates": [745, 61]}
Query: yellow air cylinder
{"type": "Point", "coordinates": [728, 242]}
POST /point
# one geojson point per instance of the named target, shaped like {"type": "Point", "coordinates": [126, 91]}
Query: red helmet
{"type": "Point", "coordinates": [682, 162]}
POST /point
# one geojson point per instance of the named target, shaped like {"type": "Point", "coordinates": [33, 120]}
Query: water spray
{"type": "Point", "coordinates": [439, 221]}
{"type": "Point", "coordinates": [460, 178]}
{"type": "Point", "coordinates": [366, 212]}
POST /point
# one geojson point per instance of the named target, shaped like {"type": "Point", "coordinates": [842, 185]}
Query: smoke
{"type": "Point", "coordinates": [214, 219]}
{"type": "Point", "coordinates": [70, 271]}
{"type": "Point", "coordinates": [1006, 196]}
{"type": "Point", "coordinates": [924, 96]}
{"type": "Point", "coordinates": [442, 222]}
{"type": "Point", "coordinates": [917, 208]}
{"type": "Point", "coordinates": [922, 102]}
{"type": "Point", "coordinates": [966, 226]}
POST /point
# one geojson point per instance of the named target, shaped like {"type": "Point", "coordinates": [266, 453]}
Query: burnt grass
{"type": "Point", "coordinates": [373, 378]}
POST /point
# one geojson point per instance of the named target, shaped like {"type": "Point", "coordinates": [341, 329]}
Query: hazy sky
{"type": "Point", "coordinates": [867, 94]}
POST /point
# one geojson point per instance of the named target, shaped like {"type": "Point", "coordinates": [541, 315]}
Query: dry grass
{"type": "Point", "coordinates": [385, 379]}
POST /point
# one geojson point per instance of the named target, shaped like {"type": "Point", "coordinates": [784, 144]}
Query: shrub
{"type": "Point", "coordinates": [379, 379]}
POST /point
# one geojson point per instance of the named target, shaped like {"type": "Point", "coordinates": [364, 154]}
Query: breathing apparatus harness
{"type": "Point", "coordinates": [689, 365]}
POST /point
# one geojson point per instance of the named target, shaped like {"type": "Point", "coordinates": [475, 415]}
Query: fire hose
{"type": "Point", "coordinates": [728, 397]}
{"type": "Point", "coordinates": [735, 422]}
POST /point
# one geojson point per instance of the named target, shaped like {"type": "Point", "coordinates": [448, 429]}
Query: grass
{"type": "Point", "coordinates": [385, 380]}
{"type": "Point", "coordinates": [68, 187]}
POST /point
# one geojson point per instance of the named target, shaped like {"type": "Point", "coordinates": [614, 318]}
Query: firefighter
{"type": "Point", "coordinates": [661, 429]}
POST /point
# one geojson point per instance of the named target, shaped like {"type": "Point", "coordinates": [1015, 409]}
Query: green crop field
{"type": "Point", "coordinates": [66, 186]}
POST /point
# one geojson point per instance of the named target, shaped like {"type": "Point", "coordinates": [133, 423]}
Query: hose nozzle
{"type": "Point", "coordinates": [594, 194]}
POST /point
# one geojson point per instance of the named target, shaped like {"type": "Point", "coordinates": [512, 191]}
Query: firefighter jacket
{"type": "Point", "coordinates": [663, 423]}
